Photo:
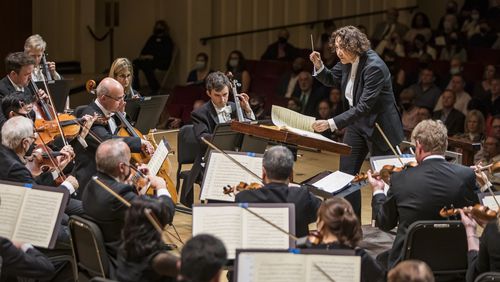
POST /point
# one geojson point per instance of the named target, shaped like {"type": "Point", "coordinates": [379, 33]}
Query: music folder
{"type": "Point", "coordinates": [339, 191]}
{"type": "Point", "coordinates": [31, 213]}
{"type": "Point", "coordinates": [310, 265]}
{"type": "Point", "coordinates": [59, 91]}
{"type": "Point", "coordinates": [146, 111]}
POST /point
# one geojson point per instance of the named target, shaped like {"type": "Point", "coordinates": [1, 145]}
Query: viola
{"type": "Point", "coordinates": [39, 162]}
{"type": "Point", "coordinates": [384, 173]}
{"type": "Point", "coordinates": [242, 186]}
{"type": "Point", "coordinates": [479, 212]}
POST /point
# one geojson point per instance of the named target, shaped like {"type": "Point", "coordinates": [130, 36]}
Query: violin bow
{"type": "Point", "coordinates": [389, 143]}
{"type": "Point", "coordinates": [51, 102]}
{"type": "Point", "coordinates": [51, 158]}
{"type": "Point", "coordinates": [107, 188]}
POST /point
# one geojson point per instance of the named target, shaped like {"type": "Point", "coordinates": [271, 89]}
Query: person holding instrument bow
{"type": "Point", "coordinates": [419, 193]}
{"type": "Point", "coordinates": [110, 99]}
{"type": "Point", "coordinates": [365, 82]}
{"type": "Point", "coordinates": [34, 46]}
{"type": "Point", "coordinates": [114, 170]}
{"type": "Point", "coordinates": [207, 117]}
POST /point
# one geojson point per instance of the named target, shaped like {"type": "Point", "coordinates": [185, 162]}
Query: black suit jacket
{"type": "Point", "coordinates": [373, 99]}
{"type": "Point", "coordinates": [454, 121]}
{"type": "Point", "coordinates": [16, 263]}
{"type": "Point", "coordinates": [271, 52]}
{"type": "Point", "coordinates": [311, 107]}
{"type": "Point", "coordinates": [488, 257]}
{"type": "Point", "coordinates": [306, 204]}
{"type": "Point", "coordinates": [108, 212]}
{"type": "Point", "coordinates": [418, 194]}
{"type": "Point", "coordinates": [85, 166]}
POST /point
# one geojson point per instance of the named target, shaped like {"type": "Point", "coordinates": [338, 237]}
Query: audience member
{"type": "Point", "coordinates": [411, 271]}
{"type": "Point", "coordinates": [393, 43]}
{"type": "Point", "coordinates": [492, 100]}
{"type": "Point", "coordinates": [294, 104]}
{"type": "Point", "coordinates": [201, 70]}
{"type": "Point", "coordinates": [426, 91]}
{"type": "Point", "coordinates": [420, 48]}
{"type": "Point", "coordinates": [470, 26]}
{"type": "Point", "coordinates": [450, 17]}
{"type": "Point", "coordinates": [156, 54]}
{"type": "Point", "coordinates": [408, 108]}
{"type": "Point", "coordinates": [236, 64]}
{"type": "Point", "coordinates": [452, 118]}
{"type": "Point", "coordinates": [202, 259]}
{"type": "Point", "coordinates": [490, 151]}
{"type": "Point", "coordinates": [309, 94]}
{"type": "Point", "coordinates": [324, 111]}
{"type": "Point", "coordinates": [474, 127]}
{"type": "Point", "coordinates": [386, 29]}
{"type": "Point", "coordinates": [420, 24]}
{"type": "Point", "coordinates": [456, 67]}
{"type": "Point", "coordinates": [329, 27]}
{"type": "Point", "coordinates": [493, 14]}
{"type": "Point", "coordinates": [281, 49]}
{"type": "Point", "coordinates": [482, 89]}
{"type": "Point", "coordinates": [288, 81]}
{"type": "Point", "coordinates": [485, 38]}
{"type": "Point", "coordinates": [335, 99]}
{"type": "Point", "coordinates": [462, 98]}
{"type": "Point", "coordinates": [423, 113]}
{"type": "Point", "coordinates": [453, 48]}
{"type": "Point", "coordinates": [398, 75]}
{"type": "Point", "coordinates": [329, 58]}
{"type": "Point", "coordinates": [449, 25]}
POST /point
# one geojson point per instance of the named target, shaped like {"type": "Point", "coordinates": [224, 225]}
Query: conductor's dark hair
{"type": "Point", "coordinates": [15, 61]}
{"type": "Point", "coordinates": [202, 257]}
{"type": "Point", "coordinates": [340, 220]}
{"type": "Point", "coordinates": [15, 101]}
{"type": "Point", "coordinates": [139, 237]}
{"type": "Point", "coordinates": [351, 39]}
{"type": "Point", "coordinates": [216, 81]}
{"type": "Point", "coordinates": [278, 163]}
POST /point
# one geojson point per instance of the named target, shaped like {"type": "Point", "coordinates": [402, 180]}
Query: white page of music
{"type": "Point", "coordinates": [270, 267]}
{"type": "Point", "coordinates": [224, 223]}
{"type": "Point", "coordinates": [221, 172]}
{"type": "Point", "coordinates": [327, 267]}
{"type": "Point", "coordinates": [285, 117]}
{"type": "Point", "coordinates": [378, 164]}
{"type": "Point", "coordinates": [10, 207]}
{"type": "Point", "coordinates": [258, 234]}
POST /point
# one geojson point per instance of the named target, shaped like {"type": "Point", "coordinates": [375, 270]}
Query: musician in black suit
{"type": "Point", "coordinates": [419, 193]}
{"type": "Point", "coordinates": [452, 118]}
{"type": "Point", "coordinates": [113, 169]}
{"type": "Point", "coordinates": [110, 99]}
{"type": "Point", "coordinates": [277, 169]}
{"type": "Point", "coordinates": [22, 260]}
{"type": "Point", "coordinates": [368, 97]}
{"type": "Point", "coordinates": [207, 117]}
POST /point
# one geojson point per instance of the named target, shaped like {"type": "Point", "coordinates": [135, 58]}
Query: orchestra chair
{"type": "Point", "coordinates": [488, 276]}
{"type": "Point", "coordinates": [441, 244]}
{"type": "Point", "coordinates": [187, 150]}
{"type": "Point", "coordinates": [89, 252]}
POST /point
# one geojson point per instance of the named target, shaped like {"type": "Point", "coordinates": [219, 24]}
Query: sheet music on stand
{"type": "Point", "coordinates": [379, 161]}
{"type": "Point", "coordinates": [220, 172]}
{"type": "Point", "coordinates": [487, 200]}
{"type": "Point", "coordinates": [156, 161]}
{"type": "Point", "coordinates": [309, 265]}
{"type": "Point", "coordinates": [238, 228]}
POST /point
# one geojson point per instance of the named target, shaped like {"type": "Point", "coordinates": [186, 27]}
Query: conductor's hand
{"type": "Point", "coordinates": [315, 58]}
{"type": "Point", "coordinates": [320, 125]}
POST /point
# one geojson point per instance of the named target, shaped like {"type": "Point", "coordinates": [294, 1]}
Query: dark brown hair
{"type": "Point", "coordinates": [351, 39]}
{"type": "Point", "coordinates": [340, 220]}
{"type": "Point", "coordinates": [15, 61]}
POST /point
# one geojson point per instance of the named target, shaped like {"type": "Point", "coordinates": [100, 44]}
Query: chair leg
{"type": "Point", "coordinates": [176, 236]}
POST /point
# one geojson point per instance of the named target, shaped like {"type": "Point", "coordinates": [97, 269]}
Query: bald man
{"type": "Point", "coordinates": [110, 100]}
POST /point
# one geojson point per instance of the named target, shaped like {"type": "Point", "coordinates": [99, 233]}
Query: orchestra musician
{"type": "Point", "coordinates": [206, 118]}
{"type": "Point", "coordinates": [35, 46]}
{"type": "Point", "coordinates": [122, 70]}
{"type": "Point", "coordinates": [419, 193]}
{"type": "Point", "coordinates": [277, 170]}
{"type": "Point", "coordinates": [110, 99]}
{"type": "Point", "coordinates": [114, 170]}
{"type": "Point", "coordinates": [365, 82]}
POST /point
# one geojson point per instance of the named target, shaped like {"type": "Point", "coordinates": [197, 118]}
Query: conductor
{"type": "Point", "coordinates": [365, 83]}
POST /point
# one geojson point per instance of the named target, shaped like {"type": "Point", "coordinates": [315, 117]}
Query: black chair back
{"type": "Point", "coordinates": [488, 276]}
{"type": "Point", "coordinates": [440, 244]}
{"type": "Point", "coordinates": [89, 250]}
{"type": "Point", "coordinates": [187, 148]}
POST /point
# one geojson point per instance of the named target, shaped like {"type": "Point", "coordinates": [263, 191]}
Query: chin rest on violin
{"type": "Point", "coordinates": [242, 186]}
{"type": "Point", "coordinates": [482, 213]}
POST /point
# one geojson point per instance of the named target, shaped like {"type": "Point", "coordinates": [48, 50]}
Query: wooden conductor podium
{"type": "Point", "coordinates": [290, 138]}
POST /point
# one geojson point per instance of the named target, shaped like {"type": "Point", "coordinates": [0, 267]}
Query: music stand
{"type": "Point", "coordinates": [148, 110]}
{"type": "Point", "coordinates": [59, 91]}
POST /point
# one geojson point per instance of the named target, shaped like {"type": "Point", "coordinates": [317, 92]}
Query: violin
{"type": "Point", "coordinates": [39, 162]}
{"type": "Point", "coordinates": [242, 186]}
{"type": "Point", "coordinates": [384, 173]}
{"type": "Point", "coordinates": [313, 239]}
{"type": "Point", "coordinates": [480, 212]}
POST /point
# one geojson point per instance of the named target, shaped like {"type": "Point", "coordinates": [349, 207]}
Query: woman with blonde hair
{"type": "Point", "coordinates": [122, 70]}
{"type": "Point", "coordinates": [34, 46]}
{"type": "Point", "coordinates": [474, 127]}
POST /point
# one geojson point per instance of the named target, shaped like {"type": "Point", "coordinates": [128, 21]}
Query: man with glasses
{"type": "Point", "coordinates": [110, 100]}
{"type": "Point", "coordinates": [114, 170]}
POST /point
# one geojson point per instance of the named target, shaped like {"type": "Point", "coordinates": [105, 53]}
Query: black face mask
{"type": "Point", "coordinates": [158, 31]}
{"type": "Point", "coordinates": [30, 150]}
{"type": "Point", "coordinates": [282, 40]}
{"type": "Point", "coordinates": [406, 106]}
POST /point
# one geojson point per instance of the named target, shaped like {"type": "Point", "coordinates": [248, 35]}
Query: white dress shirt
{"type": "Point", "coordinates": [111, 122]}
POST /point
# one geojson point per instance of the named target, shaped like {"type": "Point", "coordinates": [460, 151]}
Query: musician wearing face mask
{"type": "Point", "coordinates": [281, 49]}
{"type": "Point", "coordinates": [201, 70]}
{"type": "Point", "coordinates": [207, 117]}
{"type": "Point", "coordinates": [113, 169]}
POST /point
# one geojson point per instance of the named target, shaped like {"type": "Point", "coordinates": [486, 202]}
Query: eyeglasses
{"type": "Point", "coordinates": [121, 98]}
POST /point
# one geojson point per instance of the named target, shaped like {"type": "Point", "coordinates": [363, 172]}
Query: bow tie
{"type": "Point", "coordinates": [225, 110]}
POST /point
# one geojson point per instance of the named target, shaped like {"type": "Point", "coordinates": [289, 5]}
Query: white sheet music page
{"type": "Point", "coordinates": [378, 164]}
{"type": "Point", "coordinates": [270, 267]}
{"type": "Point", "coordinates": [255, 229]}
{"type": "Point", "coordinates": [282, 117]}
{"type": "Point", "coordinates": [11, 201]}
{"type": "Point", "coordinates": [334, 181]}
{"type": "Point", "coordinates": [221, 172]}
{"type": "Point", "coordinates": [158, 158]}
{"type": "Point", "coordinates": [490, 202]}
{"type": "Point", "coordinates": [321, 268]}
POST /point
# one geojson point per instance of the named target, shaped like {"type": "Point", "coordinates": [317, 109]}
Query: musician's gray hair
{"type": "Point", "coordinates": [15, 130]}
{"type": "Point", "coordinates": [35, 42]}
{"type": "Point", "coordinates": [278, 163]}
{"type": "Point", "coordinates": [110, 154]}
{"type": "Point", "coordinates": [432, 135]}
{"type": "Point", "coordinates": [216, 81]}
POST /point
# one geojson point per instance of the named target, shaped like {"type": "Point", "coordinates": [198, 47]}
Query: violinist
{"type": "Point", "coordinates": [420, 192]}
{"type": "Point", "coordinates": [17, 104]}
{"type": "Point", "coordinates": [110, 99]}
{"type": "Point", "coordinates": [339, 228]}
{"type": "Point", "coordinates": [142, 255]}
{"type": "Point", "coordinates": [114, 170]}
{"type": "Point", "coordinates": [484, 252]}
{"type": "Point", "coordinates": [207, 117]}
{"type": "Point", "coordinates": [122, 70]}
{"type": "Point", "coordinates": [277, 169]}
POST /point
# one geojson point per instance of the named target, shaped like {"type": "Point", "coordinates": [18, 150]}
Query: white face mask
{"type": "Point", "coordinates": [199, 65]}
{"type": "Point", "coordinates": [233, 63]}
